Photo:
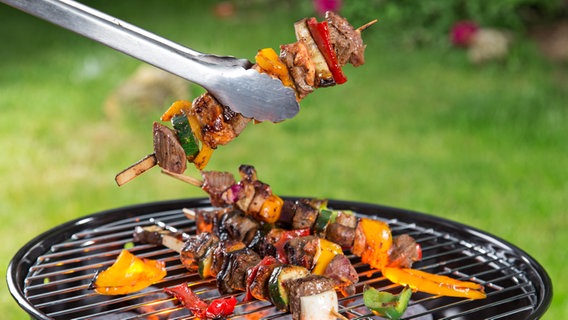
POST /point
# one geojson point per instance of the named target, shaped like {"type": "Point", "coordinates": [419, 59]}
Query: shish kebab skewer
{"type": "Point", "coordinates": [306, 296]}
{"type": "Point", "coordinates": [313, 61]}
{"type": "Point", "coordinates": [367, 238]}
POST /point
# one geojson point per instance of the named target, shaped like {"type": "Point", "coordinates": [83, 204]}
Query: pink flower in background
{"type": "Point", "coordinates": [322, 6]}
{"type": "Point", "coordinates": [462, 32]}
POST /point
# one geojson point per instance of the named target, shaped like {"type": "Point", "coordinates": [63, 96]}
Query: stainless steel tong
{"type": "Point", "coordinates": [229, 79]}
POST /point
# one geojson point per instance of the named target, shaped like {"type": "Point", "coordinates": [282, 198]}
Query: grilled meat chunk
{"type": "Point", "coordinates": [301, 67]}
{"type": "Point", "coordinates": [168, 150]}
{"type": "Point", "coordinates": [342, 272]}
{"type": "Point", "coordinates": [232, 277]}
{"type": "Point", "coordinates": [340, 234]}
{"type": "Point", "coordinates": [210, 115]}
{"type": "Point", "coordinates": [404, 251]}
{"type": "Point", "coordinates": [220, 251]}
{"type": "Point", "coordinates": [347, 42]}
{"type": "Point", "coordinates": [215, 183]}
{"type": "Point", "coordinates": [306, 286]}
{"type": "Point", "coordinates": [196, 247]}
{"type": "Point", "coordinates": [300, 251]}
{"type": "Point", "coordinates": [305, 216]}
{"type": "Point", "coordinates": [259, 285]}
{"type": "Point", "coordinates": [241, 227]}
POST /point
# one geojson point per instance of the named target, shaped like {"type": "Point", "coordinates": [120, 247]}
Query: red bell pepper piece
{"type": "Point", "coordinates": [218, 308]}
{"type": "Point", "coordinates": [320, 33]}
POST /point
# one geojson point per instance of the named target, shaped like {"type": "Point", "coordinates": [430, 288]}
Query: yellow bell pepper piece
{"type": "Point", "coordinates": [129, 274]}
{"type": "Point", "coordinates": [433, 283]}
{"type": "Point", "coordinates": [202, 158]}
{"type": "Point", "coordinates": [270, 62]}
{"type": "Point", "coordinates": [176, 108]}
{"type": "Point", "coordinates": [326, 251]}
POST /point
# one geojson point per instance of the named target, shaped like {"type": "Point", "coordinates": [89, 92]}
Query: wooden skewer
{"type": "Point", "coordinates": [136, 169]}
{"type": "Point", "coordinates": [184, 178]}
{"type": "Point", "coordinates": [366, 25]}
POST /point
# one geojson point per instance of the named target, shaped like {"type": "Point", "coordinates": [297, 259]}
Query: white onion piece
{"type": "Point", "coordinates": [319, 306]}
{"type": "Point", "coordinates": [323, 74]}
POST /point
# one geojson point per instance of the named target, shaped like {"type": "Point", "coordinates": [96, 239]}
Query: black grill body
{"type": "Point", "coordinates": [49, 277]}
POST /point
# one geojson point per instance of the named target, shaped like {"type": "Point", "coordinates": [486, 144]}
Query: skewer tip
{"type": "Point", "coordinates": [366, 25]}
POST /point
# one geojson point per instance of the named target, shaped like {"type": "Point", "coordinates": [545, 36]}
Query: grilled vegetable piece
{"type": "Point", "coordinates": [269, 62]}
{"type": "Point", "coordinates": [323, 76]}
{"type": "Point", "coordinates": [277, 287]}
{"type": "Point", "coordinates": [325, 252]}
{"type": "Point", "coordinates": [128, 274]}
{"type": "Point", "coordinates": [372, 242]}
{"type": "Point", "coordinates": [386, 304]}
{"type": "Point", "coordinates": [433, 283]}
{"type": "Point", "coordinates": [320, 34]}
{"type": "Point", "coordinates": [216, 309]}
{"type": "Point", "coordinates": [186, 138]}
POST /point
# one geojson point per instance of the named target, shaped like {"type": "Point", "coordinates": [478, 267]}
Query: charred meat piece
{"type": "Point", "coordinates": [303, 287]}
{"type": "Point", "coordinates": [152, 234]}
{"type": "Point", "coordinates": [404, 252]}
{"type": "Point", "coordinates": [261, 193]}
{"type": "Point", "coordinates": [215, 183]}
{"type": "Point", "coordinates": [207, 220]}
{"type": "Point", "coordinates": [236, 120]}
{"type": "Point", "coordinates": [210, 115]}
{"type": "Point", "coordinates": [340, 234]}
{"type": "Point", "coordinates": [342, 272]}
{"type": "Point", "coordinates": [305, 216]}
{"type": "Point", "coordinates": [347, 219]}
{"type": "Point", "coordinates": [300, 251]}
{"type": "Point", "coordinates": [347, 42]}
{"type": "Point", "coordinates": [301, 67]}
{"type": "Point", "coordinates": [259, 285]}
{"type": "Point", "coordinates": [232, 277]}
{"type": "Point", "coordinates": [241, 227]}
{"type": "Point", "coordinates": [168, 150]}
{"type": "Point", "coordinates": [196, 247]}
{"type": "Point", "coordinates": [220, 251]}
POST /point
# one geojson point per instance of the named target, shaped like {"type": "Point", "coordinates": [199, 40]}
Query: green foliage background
{"type": "Point", "coordinates": [417, 127]}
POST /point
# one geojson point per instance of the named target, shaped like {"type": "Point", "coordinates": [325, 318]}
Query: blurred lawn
{"type": "Point", "coordinates": [421, 130]}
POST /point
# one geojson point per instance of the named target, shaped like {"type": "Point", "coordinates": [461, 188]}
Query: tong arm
{"type": "Point", "coordinates": [229, 79]}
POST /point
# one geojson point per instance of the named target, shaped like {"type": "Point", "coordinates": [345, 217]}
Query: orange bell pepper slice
{"type": "Point", "coordinates": [270, 62]}
{"type": "Point", "coordinates": [178, 107]}
{"type": "Point", "coordinates": [377, 240]}
{"type": "Point", "coordinates": [433, 283]}
{"type": "Point", "coordinates": [128, 274]}
{"type": "Point", "coordinates": [270, 209]}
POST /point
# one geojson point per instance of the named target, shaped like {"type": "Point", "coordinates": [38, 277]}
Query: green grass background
{"type": "Point", "coordinates": [420, 129]}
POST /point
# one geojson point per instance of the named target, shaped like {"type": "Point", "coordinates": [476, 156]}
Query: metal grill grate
{"type": "Point", "coordinates": [51, 275]}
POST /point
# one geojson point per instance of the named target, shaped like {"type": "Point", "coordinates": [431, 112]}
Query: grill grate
{"type": "Point", "coordinates": [51, 275]}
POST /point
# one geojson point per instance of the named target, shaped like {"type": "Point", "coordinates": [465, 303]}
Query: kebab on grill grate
{"type": "Point", "coordinates": [231, 245]}
{"type": "Point", "coordinates": [369, 239]}
{"type": "Point", "coordinates": [199, 127]}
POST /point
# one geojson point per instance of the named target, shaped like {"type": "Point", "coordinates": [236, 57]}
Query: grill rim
{"type": "Point", "coordinates": [26, 257]}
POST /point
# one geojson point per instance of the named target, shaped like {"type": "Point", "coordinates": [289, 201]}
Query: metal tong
{"type": "Point", "coordinates": [228, 79]}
